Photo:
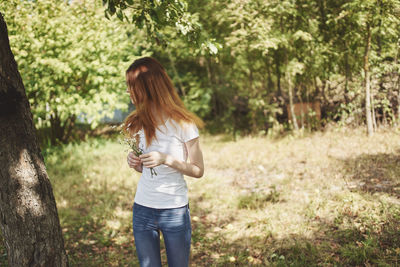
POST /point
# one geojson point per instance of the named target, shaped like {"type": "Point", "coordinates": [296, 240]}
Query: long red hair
{"type": "Point", "coordinates": [153, 95]}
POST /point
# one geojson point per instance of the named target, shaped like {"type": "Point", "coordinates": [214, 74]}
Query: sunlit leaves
{"type": "Point", "coordinates": [159, 17]}
{"type": "Point", "coordinates": [72, 60]}
{"type": "Point", "coordinates": [154, 15]}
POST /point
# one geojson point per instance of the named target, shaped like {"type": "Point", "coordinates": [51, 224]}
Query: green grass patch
{"type": "Point", "coordinates": [258, 200]}
{"type": "Point", "coordinates": [325, 199]}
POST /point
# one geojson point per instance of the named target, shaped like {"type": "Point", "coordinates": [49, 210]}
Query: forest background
{"type": "Point", "coordinates": [252, 60]}
{"type": "Point", "coordinates": [327, 196]}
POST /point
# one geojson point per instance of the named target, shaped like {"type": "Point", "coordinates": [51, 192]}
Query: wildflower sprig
{"type": "Point", "coordinates": [133, 144]}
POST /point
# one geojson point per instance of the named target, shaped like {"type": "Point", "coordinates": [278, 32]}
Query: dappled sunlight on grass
{"type": "Point", "coordinates": [262, 195]}
{"type": "Point", "coordinates": [94, 189]}
{"type": "Point", "coordinates": [328, 198]}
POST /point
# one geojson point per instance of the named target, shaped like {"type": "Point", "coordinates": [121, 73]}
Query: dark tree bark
{"type": "Point", "coordinates": [278, 73]}
{"type": "Point", "coordinates": [28, 214]}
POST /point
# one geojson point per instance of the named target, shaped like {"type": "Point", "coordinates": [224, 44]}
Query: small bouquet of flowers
{"type": "Point", "coordinates": [133, 144]}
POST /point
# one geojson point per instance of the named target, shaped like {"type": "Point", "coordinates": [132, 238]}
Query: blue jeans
{"type": "Point", "coordinates": [175, 227]}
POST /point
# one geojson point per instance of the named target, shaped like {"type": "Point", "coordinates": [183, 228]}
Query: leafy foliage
{"type": "Point", "coordinates": [156, 16]}
{"type": "Point", "coordinates": [237, 64]}
{"type": "Point", "coordinates": [265, 48]}
{"type": "Point", "coordinates": [72, 61]}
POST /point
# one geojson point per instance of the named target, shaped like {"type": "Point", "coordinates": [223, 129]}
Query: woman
{"type": "Point", "coordinates": [167, 135]}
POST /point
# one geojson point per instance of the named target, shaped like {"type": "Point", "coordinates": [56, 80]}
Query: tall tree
{"type": "Point", "coordinates": [368, 111]}
{"type": "Point", "coordinates": [28, 214]}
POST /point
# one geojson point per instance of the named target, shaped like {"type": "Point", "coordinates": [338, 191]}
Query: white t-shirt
{"type": "Point", "coordinates": [168, 188]}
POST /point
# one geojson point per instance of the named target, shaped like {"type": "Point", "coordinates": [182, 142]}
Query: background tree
{"type": "Point", "coordinates": [28, 213]}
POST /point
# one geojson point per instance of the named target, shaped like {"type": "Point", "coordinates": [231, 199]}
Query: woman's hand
{"type": "Point", "coordinates": [134, 162]}
{"type": "Point", "coordinates": [153, 159]}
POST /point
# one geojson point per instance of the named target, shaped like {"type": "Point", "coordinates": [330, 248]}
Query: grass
{"type": "Point", "coordinates": [323, 199]}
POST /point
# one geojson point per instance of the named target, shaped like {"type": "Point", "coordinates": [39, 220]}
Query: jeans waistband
{"type": "Point", "coordinates": [187, 205]}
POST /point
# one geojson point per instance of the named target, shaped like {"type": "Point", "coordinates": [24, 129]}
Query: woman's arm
{"type": "Point", "coordinates": [194, 169]}
{"type": "Point", "coordinates": [196, 166]}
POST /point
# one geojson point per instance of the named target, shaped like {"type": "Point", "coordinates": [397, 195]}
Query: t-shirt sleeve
{"type": "Point", "coordinates": [189, 132]}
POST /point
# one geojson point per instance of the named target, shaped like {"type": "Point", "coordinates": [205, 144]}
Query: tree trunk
{"type": "Point", "coordinates": [398, 87]}
{"type": "Point", "coordinates": [278, 73]}
{"type": "Point", "coordinates": [252, 93]}
{"type": "Point", "coordinates": [28, 214]}
{"type": "Point", "coordinates": [347, 74]}
{"type": "Point", "coordinates": [381, 88]}
{"type": "Point", "coordinates": [323, 26]}
{"type": "Point", "coordinates": [301, 109]}
{"type": "Point", "coordinates": [178, 79]}
{"type": "Point", "coordinates": [295, 125]}
{"type": "Point", "coordinates": [373, 112]}
{"type": "Point", "coordinates": [398, 99]}
{"type": "Point", "coordinates": [368, 114]}
{"type": "Point", "coordinates": [270, 83]}
{"type": "Point", "coordinates": [212, 86]}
